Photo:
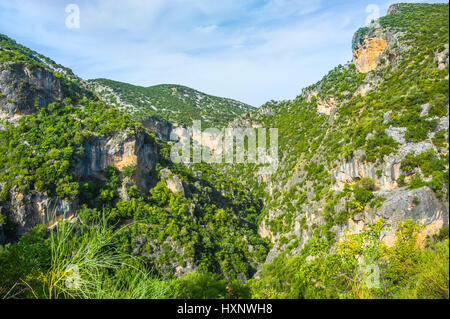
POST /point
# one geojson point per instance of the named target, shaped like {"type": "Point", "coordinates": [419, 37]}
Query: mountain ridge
{"type": "Point", "coordinates": [362, 181]}
{"type": "Point", "coordinates": [177, 103]}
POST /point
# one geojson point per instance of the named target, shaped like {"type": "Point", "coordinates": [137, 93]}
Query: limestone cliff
{"type": "Point", "coordinates": [23, 87]}
{"type": "Point", "coordinates": [368, 47]}
{"type": "Point", "coordinates": [120, 150]}
{"type": "Point", "coordinates": [27, 208]}
{"type": "Point", "coordinates": [297, 206]}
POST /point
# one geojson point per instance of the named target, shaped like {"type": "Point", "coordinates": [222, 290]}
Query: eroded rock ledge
{"type": "Point", "coordinates": [368, 47]}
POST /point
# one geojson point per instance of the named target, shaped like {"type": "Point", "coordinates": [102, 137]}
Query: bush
{"type": "Point", "coordinates": [416, 182]}
{"type": "Point", "coordinates": [208, 286]}
{"type": "Point", "coordinates": [439, 106]}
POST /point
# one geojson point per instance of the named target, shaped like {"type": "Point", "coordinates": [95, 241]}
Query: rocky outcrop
{"type": "Point", "coordinates": [152, 249]}
{"type": "Point", "coordinates": [326, 105]}
{"type": "Point", "coordinates": [368, 47]}
{"type": "Point", "coordinates": [388, 171]}
{"type": "Point", "coordinates": [441, 58]}
{"type": "Point", "coordinates": [159, 126]}
{"type": "Point", "coordinates": [22, 88]}
{"type": "Point", "coordinates": [25, 209]}
{"type": "Point", "coordinates": [173, 182]}
{"type": "Point", "coordinates": [28, 208]}
{"type": "Point", "coordinates": [119, 151]}
{"type": "Point", "coordinates": [363, 89]}
{"type": "Point", "coordinates": [420, 205]}
{"type": "Point", "coordinates": [393, 9]}
{"type": "Point", "coordinates": [384, 174]}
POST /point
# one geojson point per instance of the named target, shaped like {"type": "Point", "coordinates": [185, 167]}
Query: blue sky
{"type": "Point", "coordinates": [252, 51]}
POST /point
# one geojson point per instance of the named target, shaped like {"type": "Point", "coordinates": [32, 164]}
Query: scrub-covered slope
{"type": "Point", "coordinates": [67, 156]}
{"type": "Point", "coordinates": [178, 104]}
{"type": "Point", "coordinates": [367, 142]}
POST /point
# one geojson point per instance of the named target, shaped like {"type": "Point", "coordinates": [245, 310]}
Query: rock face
{"type": "Point", "coordinates": [420, 205]}
{"type": "Point", "coordinates": [119, 151]}
{"type": "Point", "coordinates": [372, 48]}
{"type": "Point", "coordinates": [393, 9]}
{"type": "Point", "coordinates": [384, 175]}
{"type": "Point", "coordinates": [21, 88]}
{"type": "Point", "coordinates": [26, 209]}
{"type": "Point", "coordinates": [160, 127]}
{"type": "Point", "coordinates": [326, 105]}
{"type": "Point", "coordinates": [29, 208]}
{"type": "Point", "coordinates": [173, 182]}
{"type": "Point", "coordinates": [367, 49]}
{"type": "Point", "coordinates": [441, 58]}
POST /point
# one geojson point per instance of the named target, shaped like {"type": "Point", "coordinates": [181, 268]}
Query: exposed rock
{"type": "Point", "coordinates": [120, 151]}
{"type": "Point", "coordinates": [308, 93]}
{"type": "Point", "coordinates": [21, 88]}
{"type": "Point", "coordinates": [173, 182]}
{"type": "Point", "coordinates": [264, 232]}
{"type": "Point", "coordinates": [387, 117]}
{"type": "Point", "coordinates": [441, 58]}
{"type": "Point", "coordinates": [368, 48]}
{"type": "Point", "coordinates": [363, 89]}
{"type": "Point", "coordinates": [326, 105]}
{"type": "Point", "coordinates": [400, 206]}
{"type": "Point", "coordinates": [29, 208]}
{"type": "Point", "coordinates": [397, 133]}
{"type": "Point", "coordinates": [151, 249]}
{"type": "Point", "coordinates": [160, 127]}
{"type": "Point", "coordinates": [123, 191]}
{"type": "Point", "coordinates": [384, 175]}
{"type": "Point", "coordinates": [393, 9]}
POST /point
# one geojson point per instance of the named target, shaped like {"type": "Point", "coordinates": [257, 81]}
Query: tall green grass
{"type": "Point", "coordinates": [86, 264]}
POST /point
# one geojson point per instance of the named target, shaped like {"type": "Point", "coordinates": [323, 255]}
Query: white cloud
{"type": "Point", "coordinates": [253, 50]}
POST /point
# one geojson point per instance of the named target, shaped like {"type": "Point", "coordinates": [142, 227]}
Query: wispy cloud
{"type": "Point", "coordinates": [253, 50]}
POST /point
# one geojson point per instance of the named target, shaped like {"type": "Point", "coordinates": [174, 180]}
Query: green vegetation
{"type": "Point", "coordinates": [131, 241]}
{"type": "Point", "coordinates": [361, 267]}
{"type": "Point", "coordinates": [176, 103]}
{"type": "Point", "coordinates": [39, 151]}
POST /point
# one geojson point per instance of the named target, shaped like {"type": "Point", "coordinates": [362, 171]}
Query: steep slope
{"type": "Point", "coordinates": [29, 79]}
{"type": "Point", "coordinates": [65, 155]}
{"type": "Point", "coordinates": [363, 149]}
{"type": "Point", "coordinates": [177, 104]}
{"type": "Point", "coordinates": [368, 141]}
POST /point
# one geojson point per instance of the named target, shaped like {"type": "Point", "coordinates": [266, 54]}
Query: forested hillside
{"type": "Point", "coordinates": [365, 148]}
{"type": "Point", "coordinates": [68, 156]}
{"type": "Point", "coordinates": [358, 207]}
{"type": "Point", "coordinates": [177, 104]}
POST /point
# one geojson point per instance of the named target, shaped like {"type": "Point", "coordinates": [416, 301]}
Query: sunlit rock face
{"type": "Point", "coordinates": [119, 151]}
{"type": "Point", "coordinates": [401, 204]}
{"type": "Point", "coordinates": [441, 58]}
{"type": "Point", "coordinates": [22, 88]}
{"type": "Point", "coordinates": [368, 48]}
